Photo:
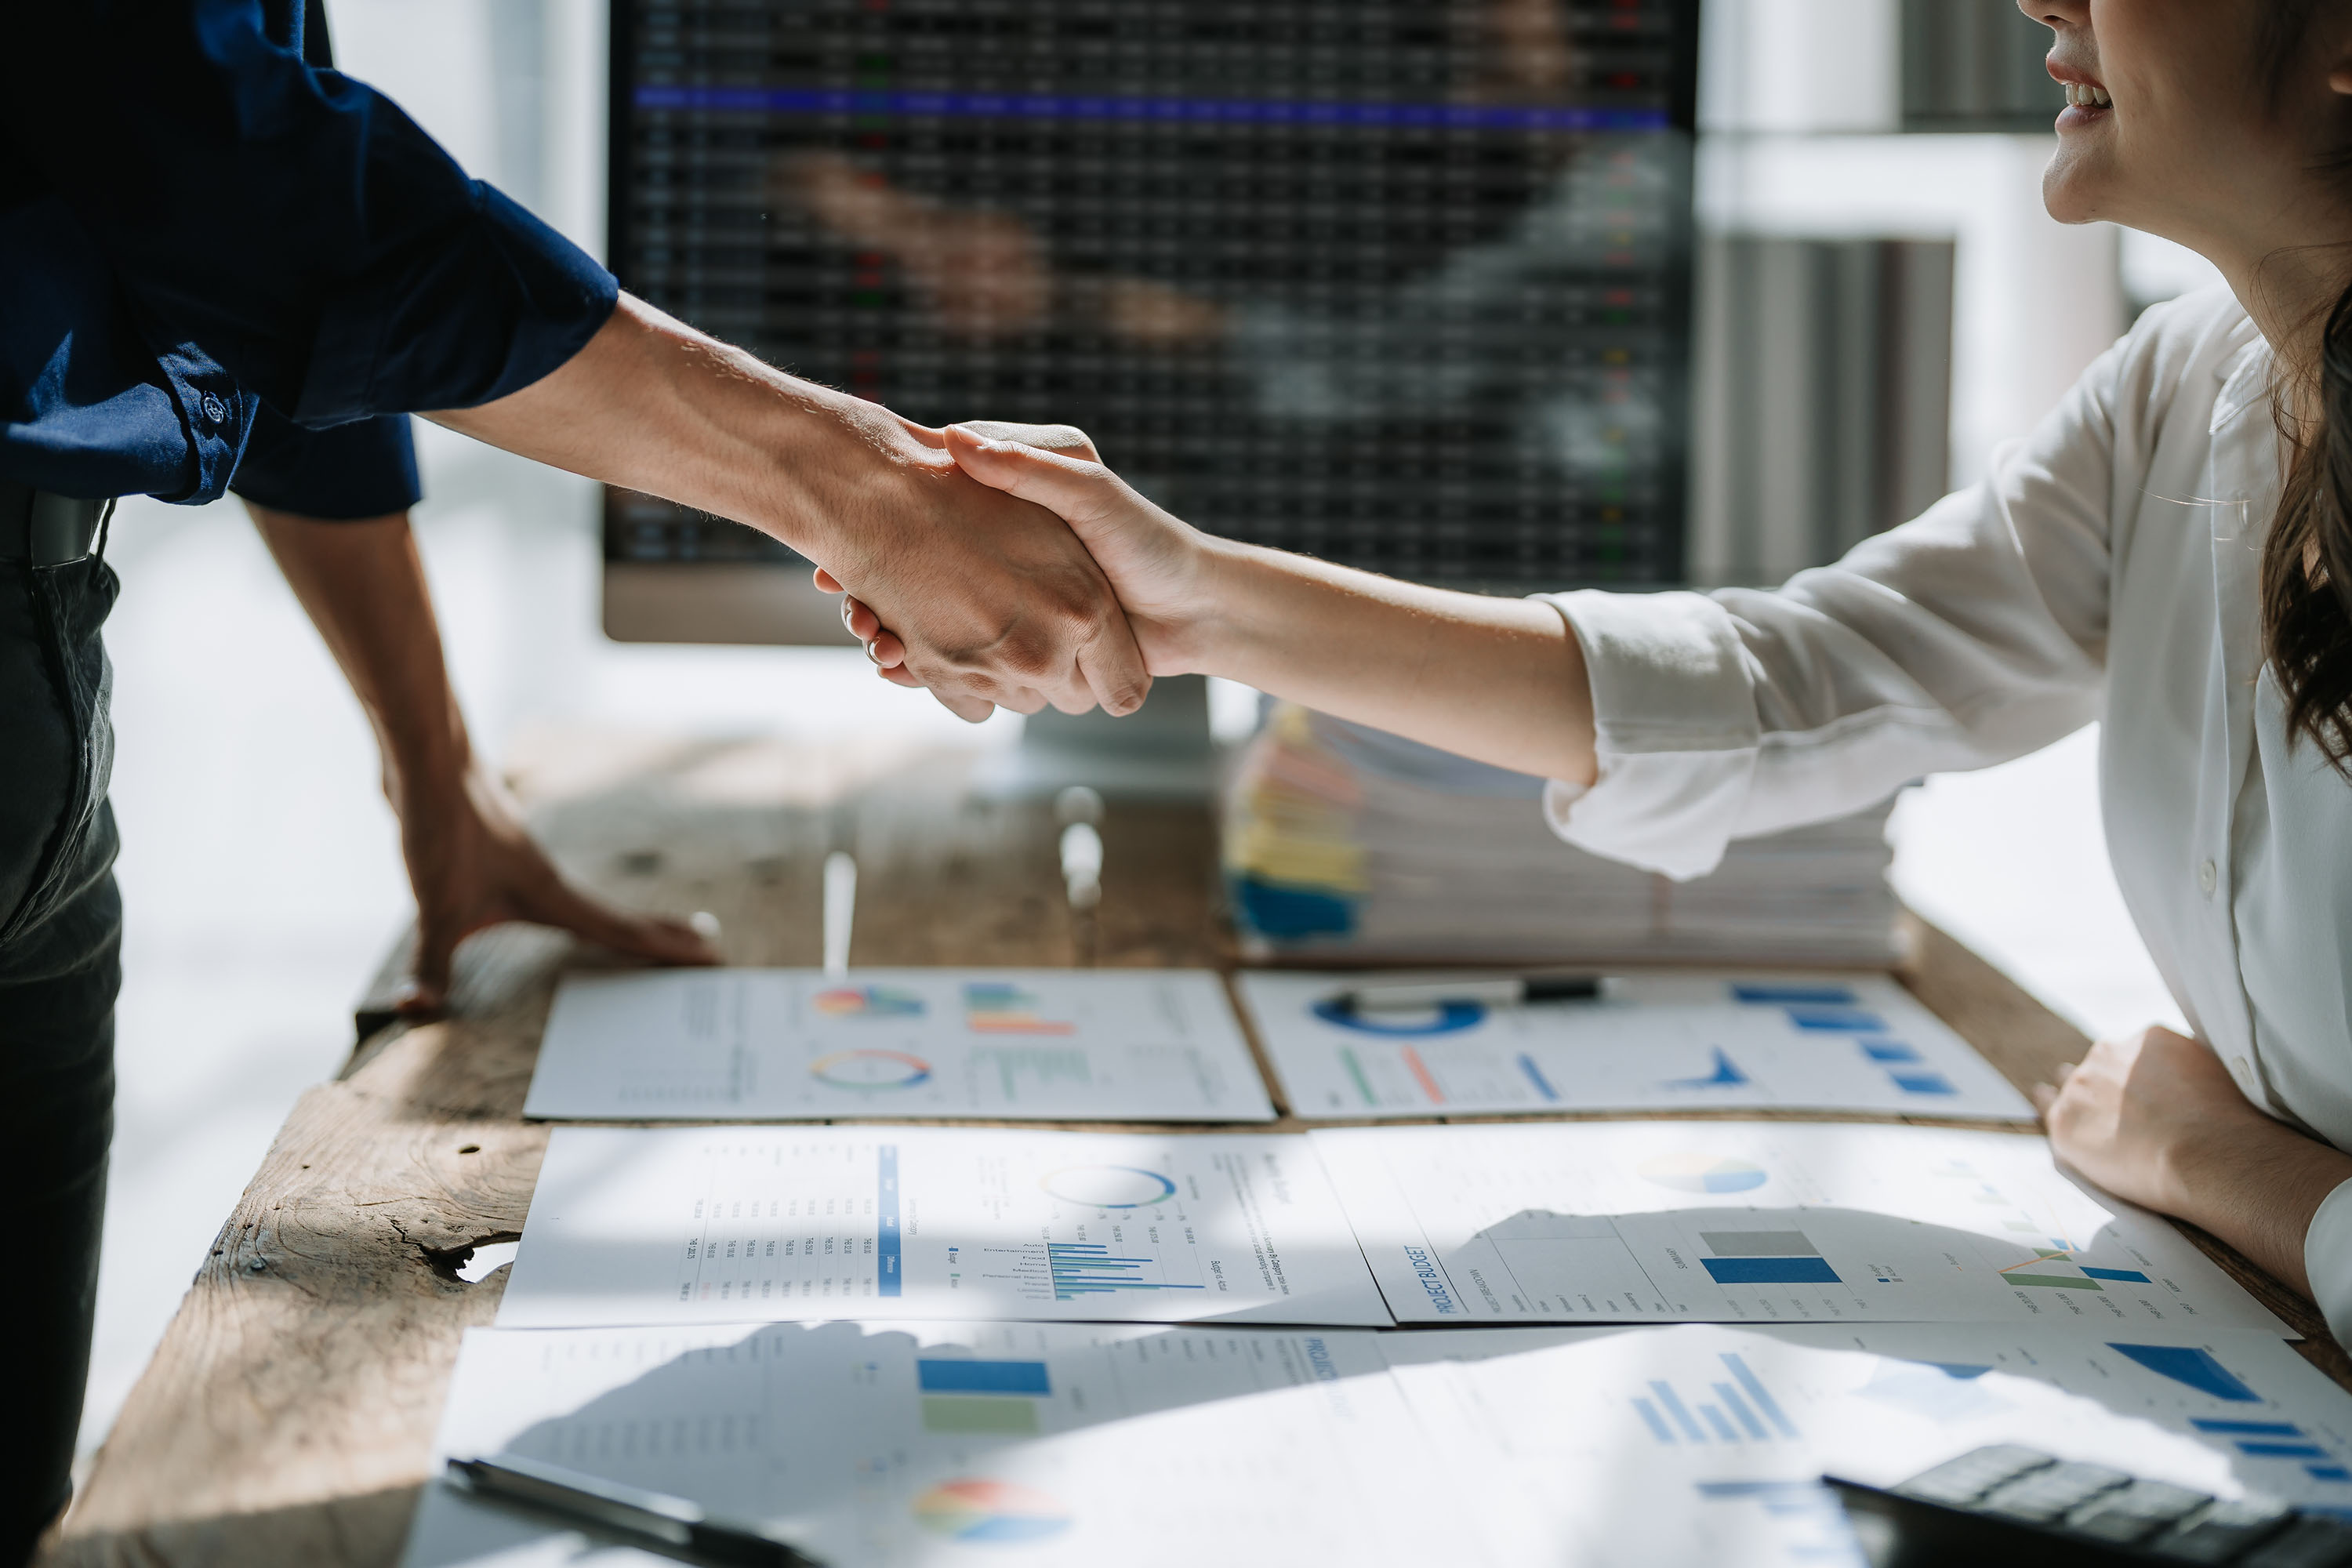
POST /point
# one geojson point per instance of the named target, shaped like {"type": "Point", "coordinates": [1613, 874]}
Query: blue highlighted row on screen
{"type": "Point", "coordinates": [885, 101]}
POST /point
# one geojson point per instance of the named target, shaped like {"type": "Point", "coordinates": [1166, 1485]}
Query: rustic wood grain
{"type": "Point", "coordinates": [287, 1415]}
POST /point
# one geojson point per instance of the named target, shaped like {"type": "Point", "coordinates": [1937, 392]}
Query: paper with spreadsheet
{"type": "Point", "coordinates": [1656, 1040]}
{"type": "Point", "coordinates": [777, 1045]}
{"type": "Point", "coordinates": [1757, 1222]}
{"type": "Point", "coordinates": [685, 1225]}
{"type": "Point", "coordinates": [906, 1446]}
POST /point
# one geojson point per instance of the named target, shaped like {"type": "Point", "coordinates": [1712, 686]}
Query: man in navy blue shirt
{"type": "Point", "coordinates": [224, 265]}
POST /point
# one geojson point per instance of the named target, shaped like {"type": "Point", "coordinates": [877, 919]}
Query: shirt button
{"type": "Point", "coordinates": [2206, 876]}
{"type": "Point", "coordinates": [215, 410]}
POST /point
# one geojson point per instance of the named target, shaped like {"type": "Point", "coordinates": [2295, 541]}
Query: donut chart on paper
{"type": "Point", "coordinates": [1444, 1018]}
{"type": "Point", "coordinates": [868, 1069]}
{"type": "Point", "coordinates": [1109, 1186]}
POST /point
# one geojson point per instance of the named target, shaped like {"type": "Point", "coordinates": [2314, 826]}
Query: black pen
{"type": "Point", "coordinates": [1501, 991]}
{"type": "Point", "coordinates": [669, 1524]}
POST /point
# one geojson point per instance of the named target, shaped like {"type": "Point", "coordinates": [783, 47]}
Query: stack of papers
{"type": "Point", "coordinates": [1342, 840]}
{"type": "Point", "coordinates": [892, 1445]}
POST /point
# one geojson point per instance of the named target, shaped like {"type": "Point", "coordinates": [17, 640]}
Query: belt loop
{"type": "Point", "coordinates": [105, 525]}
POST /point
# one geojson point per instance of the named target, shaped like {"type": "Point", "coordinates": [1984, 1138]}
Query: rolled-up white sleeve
{"type": "Point", "coordinates": [2327, 1257]}
{"type": "Point", "coordinates": [1973, 634]}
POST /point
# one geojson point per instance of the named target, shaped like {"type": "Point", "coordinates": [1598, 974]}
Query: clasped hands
{"type": "Point", "coordinates": [1157, 567]}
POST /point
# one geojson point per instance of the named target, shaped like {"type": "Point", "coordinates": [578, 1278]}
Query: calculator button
{"type": "Point", "coordinates": [1958, 1482]}
{"type": "Point", "coordinates": [2222, 1534]}
{"type": "Point", "coordinates": [2136, 1512]}
{"type": "Point", "coordinates": [2046, 1496]}
{"type": "Point", "coordinates": [2305, 1543]}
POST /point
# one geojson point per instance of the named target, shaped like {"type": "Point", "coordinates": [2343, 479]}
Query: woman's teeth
{"type": "Point", "coordinates": [2083, 95]}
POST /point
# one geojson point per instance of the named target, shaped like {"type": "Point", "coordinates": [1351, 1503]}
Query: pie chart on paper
{"type": "Point", "coordinates": [1692, 1172]}
{"type": "Point", "coordinates": [994, 1513]}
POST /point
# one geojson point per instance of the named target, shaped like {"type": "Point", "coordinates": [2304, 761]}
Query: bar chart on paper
{"type": "Point", "coordinates": [786, 1044]}
{"type": "Point", "coordinates": [1733, 1426]}
{"type": "Point", "coordinates": [761, 1224]}
{"type": "Point", "coordinates": [1662, 1040]}
{"type": "Point", "coordinates": [1756, 1221]}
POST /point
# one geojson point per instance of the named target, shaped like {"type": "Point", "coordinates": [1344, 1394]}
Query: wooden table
{"type": "Point", "coordinates": [287, 1415]}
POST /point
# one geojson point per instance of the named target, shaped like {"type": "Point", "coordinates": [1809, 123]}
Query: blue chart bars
{"type": "Point", "coordinates": [1765, 1257]}
{"type": "Point", "coordinates": [1081, 1269]}
{"type": "Point", "coordinates": [2278, 1440]}
{"type": "Point", "coordinates": [1743, 1411]}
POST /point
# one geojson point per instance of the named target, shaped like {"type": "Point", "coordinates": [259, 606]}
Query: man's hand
{"type": "Point", "coordinates": [2158, 1120]}
{"type": "Point", "coordinates": [1156, 562]}
{"type": "Point", "coordinates": [473, 865]}
{"type": "Point", "coordinates": [470, 859]}
{"type": "Point", "coordinates": [996, 601]}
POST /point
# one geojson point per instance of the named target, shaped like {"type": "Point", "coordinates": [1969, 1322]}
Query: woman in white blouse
{"type": "Point", "coordinates": [2169, 551]}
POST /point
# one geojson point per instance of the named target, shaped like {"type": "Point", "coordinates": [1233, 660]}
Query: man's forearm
{"type": "Point", "coordinates": [363, 585]}
{"type": "Point", "coordinates": [995, 598]}
{"type": "Point", "coordinates": [654, 405]}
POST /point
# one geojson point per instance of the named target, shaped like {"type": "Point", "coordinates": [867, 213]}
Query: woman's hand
{"type": "Point", "coordinates": [2138, 1114]}
{"type": "Point", "coordinates": [1157, 565]}
{"type": "Point", "coordinates": [2158, 1120]}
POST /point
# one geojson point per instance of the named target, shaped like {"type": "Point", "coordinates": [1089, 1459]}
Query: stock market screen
{"type": "Point", "coordinates": [1400, 283]}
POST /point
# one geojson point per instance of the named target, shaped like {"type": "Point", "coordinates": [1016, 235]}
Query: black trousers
{"type": "Point", "coordinates": [60, 942]}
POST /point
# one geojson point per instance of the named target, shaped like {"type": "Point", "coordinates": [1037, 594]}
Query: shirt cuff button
{"type": "Point", "coordinates": [215, 410]}
{"type": "Point", "coordinates": [2206, 876]}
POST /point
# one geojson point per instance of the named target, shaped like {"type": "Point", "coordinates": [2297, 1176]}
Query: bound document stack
{"type": "Point", "coordinates": [1346, 842]}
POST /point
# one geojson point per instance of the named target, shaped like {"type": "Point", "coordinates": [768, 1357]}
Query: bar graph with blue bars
{"type": "Point", "coordinates": [1083, 1269]}
{"type": "Point", "coordinates": [1742, 1411]}
{"type": "Point", "coordinates": [2278, 1440]}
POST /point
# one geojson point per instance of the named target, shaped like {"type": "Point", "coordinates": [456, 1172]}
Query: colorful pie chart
{"type": "Point", "coordinates": [994, 1514]}
{"type": "Point", "coordinates": [1698, 1173]}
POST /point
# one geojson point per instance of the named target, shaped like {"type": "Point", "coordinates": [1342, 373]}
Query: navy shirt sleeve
{"type": "Point", "coordinates": [363, 469]}
{"type": "Point", "coordinates": [291, 222]}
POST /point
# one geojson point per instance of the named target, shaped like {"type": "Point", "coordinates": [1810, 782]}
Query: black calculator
{"type": "Point", "coordinates": [2019, 1508]}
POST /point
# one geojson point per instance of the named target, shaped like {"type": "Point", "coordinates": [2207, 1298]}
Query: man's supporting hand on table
{"type": "Point", "coordinates": [469, 858]}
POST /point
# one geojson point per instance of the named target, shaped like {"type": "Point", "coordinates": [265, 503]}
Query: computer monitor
{"type": "Point", "coordinates": [1404, 284]}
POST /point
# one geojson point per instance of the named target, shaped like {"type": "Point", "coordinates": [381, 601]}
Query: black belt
{"type": "Point", "coordinates": [46, 530]}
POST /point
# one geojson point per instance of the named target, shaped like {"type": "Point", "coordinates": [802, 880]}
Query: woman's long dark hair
{"type": "Point", "coordinates": [2307, 562]}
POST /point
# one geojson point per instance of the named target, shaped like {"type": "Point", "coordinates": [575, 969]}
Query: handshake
{"type": "Point", "coordinates": [1004, 566]}
{"type": "Point", "coordinates": [1082, 590]}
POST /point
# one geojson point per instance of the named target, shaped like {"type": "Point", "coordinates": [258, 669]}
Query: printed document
{"type": "Point", "coordinates": [1665, 1039]}
{"type": "Point", "coordinates": [1757, 1223]}
{"type": "Point", "coordinates": [772, 1045]}
{"type": "Point", "coordinates": [687, 1224]}
{"type": "Point", "coordinates": [910, 1446]}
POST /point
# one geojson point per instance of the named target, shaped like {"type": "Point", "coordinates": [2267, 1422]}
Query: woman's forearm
{"type": "Point", "coordinates": [1501, 680]}
{"type": "Point", "coordinates": [2259, 1193]}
